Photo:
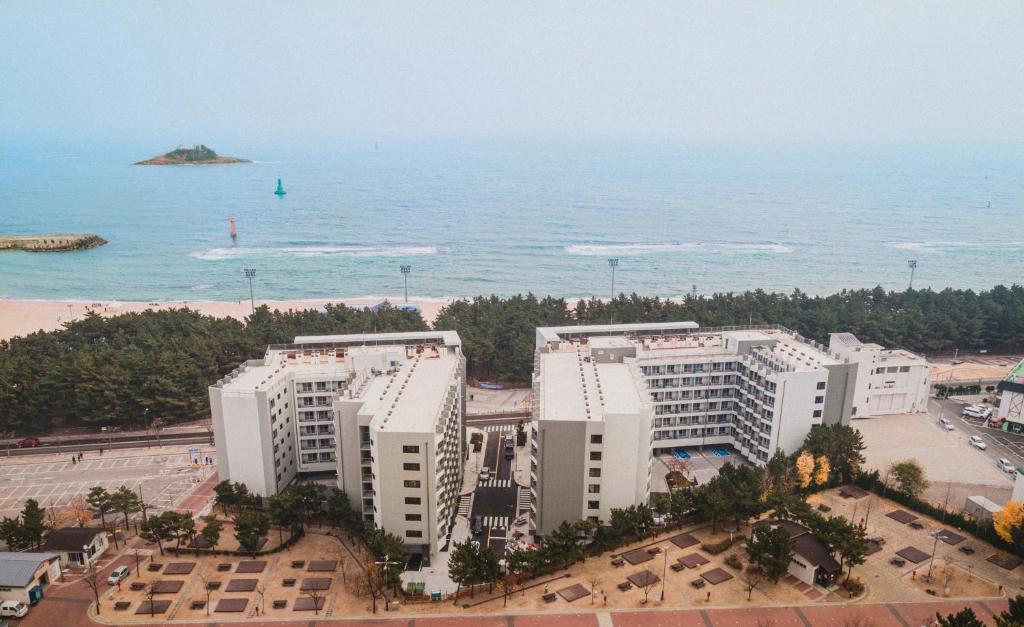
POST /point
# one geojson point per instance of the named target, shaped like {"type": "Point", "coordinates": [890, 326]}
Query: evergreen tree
{"type": "Point", "coordinates": [771, 549]}
{"type": "Point", "coordinates": [33, 522]}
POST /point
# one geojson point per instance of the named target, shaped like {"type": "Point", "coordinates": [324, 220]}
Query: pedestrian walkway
{"type": "Point", "coordinates": [496, 521]}
{"type": "Point", "coordinates": [465, 505]}
{"type": "Point", "coordinates": [497, 428]}
{"type": "Point", "coordinates": [523, 499]}
{"type": "Point", "coordinates": [496, 483]}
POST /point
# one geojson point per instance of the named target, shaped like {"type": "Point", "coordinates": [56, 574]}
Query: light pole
{"type": "Point", "coordinates": [613, 263]}
{"type": "Point", "coordinates": [664, 572]}
{"type": "Point", "coordinates": [912, 263]}
{"type": "Point", "coordinates": [405, 277]}
{"type": "Point", "coordinates": [505, 602]}
{"type": "Point", "coordinates": [250, 273]}
{"type": "Point", "coordinates": [935, 546]}
{"type": "Point", "coordinates": [386, 564]}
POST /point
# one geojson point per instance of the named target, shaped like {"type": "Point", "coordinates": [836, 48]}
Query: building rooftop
{"type": "Point", "coordinates": [70, 538]}
{"type": "Point", "coordinates": [546, 335]}
{"type": "Point", "coordinates": [410, 398]}
{"type": "Point", "coordinates": [331, 356]}
{"type": "Point", "coordinates": [17, 569]}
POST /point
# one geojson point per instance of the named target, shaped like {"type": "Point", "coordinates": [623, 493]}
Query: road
{"type": "Point", "coordinates": [96, 442]}
{"type": "Point", "coordinates": [999, 443]}
{"type": "Point", "coordinates": [495, 499]}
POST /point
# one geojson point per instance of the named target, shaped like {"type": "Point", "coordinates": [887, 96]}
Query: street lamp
{"type": "Point", "coordinates": [613, 263]}
{"type": "Point", "coordinates": [912, 264]}
{"type": "Point", "coordinates": [405, 277]}
{"type": "Point", "coordinates": [250, 273]}
{"type": "Point", "coordinates": [664, 572]}
{"type": "Point", "coordinates": [387, 564]}
{"type": "Point", "coordinates": [935, 546]}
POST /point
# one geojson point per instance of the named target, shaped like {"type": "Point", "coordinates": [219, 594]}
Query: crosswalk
{"type": "Point", "coordinates": [496, 521]}
{"type": "Point", "coordinates": [465, 505]}
{"type": "Point", "coordinates": [497, 428]}
{"type": "Point", "coordinates": [522, 499]}
{"type": "Point", "coordinates": [496, 483]}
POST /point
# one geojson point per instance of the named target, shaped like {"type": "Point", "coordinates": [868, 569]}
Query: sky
{"type": "Point", "coordinates": [809, 70]}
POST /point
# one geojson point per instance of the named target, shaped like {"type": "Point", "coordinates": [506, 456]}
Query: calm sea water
{"type": "Point", "coordinates": [507, 217]}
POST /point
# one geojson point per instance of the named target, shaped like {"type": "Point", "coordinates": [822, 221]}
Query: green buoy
{"type": "Point", "coordinates": [280, 189]}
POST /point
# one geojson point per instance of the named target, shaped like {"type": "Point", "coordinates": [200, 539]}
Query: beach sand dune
{"type": "Point", "coordinates": [21, 317]}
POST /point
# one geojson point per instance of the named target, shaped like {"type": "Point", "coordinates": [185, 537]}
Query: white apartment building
{"type": "Point", "coordinates": [889, 381]}
{"type": "Point", "coordinates": [384, 413]}
{"type": "Point", "coordinates": [607, 398]}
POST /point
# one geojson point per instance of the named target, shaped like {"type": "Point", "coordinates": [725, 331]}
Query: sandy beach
{"type": "Point", "coordinates": [21, 317]}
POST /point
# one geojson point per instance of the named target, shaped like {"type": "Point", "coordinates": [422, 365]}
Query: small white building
{"type": "Point", "coordinates": [889, 381]}
{"type": "Point", "coordinates": [25, 576]}
{"type": "Point", "coordinates": [1010, 413]}
{"type": "Point", "coordinates": [77, 546]}
{"type": "Point", "coordinates": [981, 508]}
{"type": "Point", "coordinates": [811, 563]}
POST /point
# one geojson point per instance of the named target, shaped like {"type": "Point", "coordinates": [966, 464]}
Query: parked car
{"type": "Point", "coordinates": [946, 424]}
{"type": "Point", "coordinates": [13, 609]}
{"type": "Point", "coordinates": [29, 443]}
{"type": "Point", "coordinates": [510, 447]}
{"type": "Point", "coordinates": [978, 411]}
{"type": "Point", "coordinates": [485, 473]}
{"type": "Point", "coordinates": [120, 574]}
{"type": "Point", "coordinates": [478, 524]}
{"type": "Point", "coordinates": [1005, 465]}
{"type": "Point", "coordinates": [977, 442]}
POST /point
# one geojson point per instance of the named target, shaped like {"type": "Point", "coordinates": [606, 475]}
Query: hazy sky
{"type": "Point", "coordinates": [799, 70]}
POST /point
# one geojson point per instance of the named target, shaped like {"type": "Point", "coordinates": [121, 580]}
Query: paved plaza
{"type": "Point", "coordinates": [165, 474]}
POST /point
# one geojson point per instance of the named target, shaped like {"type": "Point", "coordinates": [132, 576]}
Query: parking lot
{"type": "Point", "coordinates": [165, 475]}
{"type": "Point", "coordinates": [955, 468]}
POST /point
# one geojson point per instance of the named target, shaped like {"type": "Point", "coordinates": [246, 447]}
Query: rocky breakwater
{"type": "Point", "coordinates": [45, 243]}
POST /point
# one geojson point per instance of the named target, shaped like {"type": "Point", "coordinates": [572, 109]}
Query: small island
{"type": "Point", "coordinates": [50, 243]}
{"type": "Point", "coordinates": [196, 155]}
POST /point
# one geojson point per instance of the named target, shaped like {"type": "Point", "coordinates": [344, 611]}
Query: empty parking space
{"type": "Point", "coordinates": [164, 475]}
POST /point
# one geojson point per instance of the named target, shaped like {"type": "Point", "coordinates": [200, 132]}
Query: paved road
{"type": "Point", "coordinates": [95, 443]}
{"type": "Point", "coordinates": [1000, 443]}
{"type": "Point", "coordinates": [495, 499]}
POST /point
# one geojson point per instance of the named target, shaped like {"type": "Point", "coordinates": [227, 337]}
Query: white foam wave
{"type": "Point", "coordinates": [219, 254]}
{"type": "Point", "coordinates": [643, 249]}
{"type": "Point", "coordinates": [936, 246]}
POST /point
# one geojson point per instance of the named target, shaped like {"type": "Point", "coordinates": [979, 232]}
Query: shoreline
{"type": "Point", "coordinates": [20, 317]}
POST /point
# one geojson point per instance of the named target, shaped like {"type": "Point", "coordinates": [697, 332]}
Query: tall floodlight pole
{"type": "Point", "coordinates": [912, 263]}
{"type": "Point", "coordinates": [250, 273]}
{"type": "Point", "coordinates": [405, 276]}
{"type": "Point", "coordinates": [613, 263]}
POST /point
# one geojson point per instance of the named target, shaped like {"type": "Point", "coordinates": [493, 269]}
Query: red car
{"type": "Point", "coordinates": [29, 443]}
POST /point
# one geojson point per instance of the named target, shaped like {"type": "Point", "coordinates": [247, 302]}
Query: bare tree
{"type": "Point", "coordinates": [317, 596]}
{"type": "Point", "coordinates": [594, 582]}
{"type": "Point", "coordinates": [341, 566]}
{"type": "Point", "coordinates": [752, 578]}
{"type": "Point", "coordinates": [150, 593]}
{"type": "Point", "coordinates": [207, 590]}
{"type": "Point", "coordinates": [94, 581]}
{"type": "Point", "coordinates": [261, 591]}
{"type": "Point", "coordinates": [648, 583]}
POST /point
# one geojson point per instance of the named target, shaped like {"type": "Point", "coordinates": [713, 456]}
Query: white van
{"type": "Point", "coordinates": [977, 411]}
{"type": "Point", "coordinates": [977, 442]}
{"type": "Point", "coordinates": [120, 574]}
{"type": "Point", "coordinates": [13, 609]}
{"type": "Point", "coordinates": [1005, 465]}
{"type": "Point", "coordinates": [946, 424]}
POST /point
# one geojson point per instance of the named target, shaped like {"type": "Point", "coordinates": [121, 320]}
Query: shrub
{"type": "Point", "coordinates": [734, 561]}
{"type": "Point", "coordinates": [715, 548]}
{"type": "Point", "coordinates": [854, 586]}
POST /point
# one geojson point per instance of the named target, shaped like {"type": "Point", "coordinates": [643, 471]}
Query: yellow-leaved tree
{"type": "Point", "coordinates": [1007, 519]}
{"type": "Point", "coordinates": [821, 470]}
{"type": "Point", "coordinates": [805, 468]}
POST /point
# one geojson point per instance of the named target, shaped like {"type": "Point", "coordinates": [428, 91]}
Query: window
{"type": "Point", "coordinates": [593, 504]}
{"type": "Point", "coordinates": [595, 472]}
{"type": "Point", "coordinates": [412, 533]}
{"type": "Point", "coordinates": [817, 413]}
{"type": "Point", "coordinates": [818, 400]}
{"type": "Point", "coordinates": [413, 500]}
{"type": "Point", "coordinates": [413, 517]}
{"type": "Point", "coordinates": [904, 368]}
{"type": "Point", "coordinates": [891, 369]}
{"type": "Point", "coordinates": [410, 449]}
{"type": "Point", "coordinates": [594, 488]}
{"type": "Point", "coordinates": [411, 466]}
{"type": "Point", "coordinates": [412, 483]}
{"type": "Point", "coordinates": [821, 385]}
{"type": "Point", "coordinates": [597, 438]}
{"type": "Point", "coordinates": [595, 456]}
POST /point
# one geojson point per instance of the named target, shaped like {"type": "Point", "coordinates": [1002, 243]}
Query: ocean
{"type": "Point", "coordinates": [503, 217]}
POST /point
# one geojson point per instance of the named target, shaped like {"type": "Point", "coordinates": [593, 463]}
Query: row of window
{"type": "Point", "coordinates": [892, 369]}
